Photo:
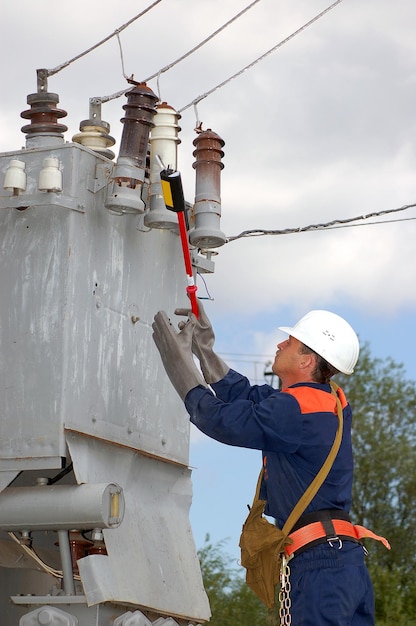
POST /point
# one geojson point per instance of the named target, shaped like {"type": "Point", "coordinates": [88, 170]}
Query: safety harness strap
{"type": "Point", "coordinates": [316, 533]}
{"type": "Point", "coordinates": [361, 533]}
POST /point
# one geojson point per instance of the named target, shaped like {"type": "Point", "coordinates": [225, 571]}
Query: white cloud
{"type": "Point", "coordinates": [321, 129]}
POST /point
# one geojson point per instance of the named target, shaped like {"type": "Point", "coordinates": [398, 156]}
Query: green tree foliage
{"type": "Point", "coordinates": [232, 602]}
{"type": "Point", "coordinates": [384, 500]}
{"type": "Point", "coordinates": [384, 492]}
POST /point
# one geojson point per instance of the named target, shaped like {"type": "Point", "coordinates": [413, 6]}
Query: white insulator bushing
{"type": "Point", "coordinates": [164, 140]}
{"type": "Point", "coordinates": [163, 150]}
{"type": "Point", "coordinates": [15, 178]}
{"type": "Point", "coordinates": [50, 176]}
{"type": "Point", "coordinates": [96, 138]}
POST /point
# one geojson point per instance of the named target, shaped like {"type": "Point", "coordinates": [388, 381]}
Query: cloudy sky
{"type": "Point", "coordinates": [322, 129]}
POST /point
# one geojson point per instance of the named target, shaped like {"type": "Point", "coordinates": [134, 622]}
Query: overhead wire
{"type": "Point", "coordinates": [258, 232]}
{"type": "Point", "coordinates": [203, 42]}
{"type": "Point", "coordinates": [338, 223]}
{"type": "Point", "coordinates": [123, 71]}
{"type": "Point", "coordinates": [164, 69]}
{"type": "Point", "coordinates": [116, 33]}
{"type": "Point", "coordinates": [260, 58]}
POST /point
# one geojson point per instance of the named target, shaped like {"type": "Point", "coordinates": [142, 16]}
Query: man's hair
{"type": "Point", "coordinates": [323, 371]}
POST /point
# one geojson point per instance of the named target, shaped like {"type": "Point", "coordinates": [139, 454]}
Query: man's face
{"type": "Point", "coordinates": [287, 357]}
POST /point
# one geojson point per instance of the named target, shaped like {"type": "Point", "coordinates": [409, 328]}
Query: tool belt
{"type": "Point", "coordinates": [326, 526]}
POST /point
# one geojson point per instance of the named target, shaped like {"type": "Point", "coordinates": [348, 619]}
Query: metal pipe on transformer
{"type": "Point", "coordinates": [66, 562]}
{"type": "Point", "coordinates": [61, 507]}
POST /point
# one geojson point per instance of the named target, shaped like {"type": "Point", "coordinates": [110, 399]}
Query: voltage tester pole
{"type": "Point", "coordinates": [174, 200]}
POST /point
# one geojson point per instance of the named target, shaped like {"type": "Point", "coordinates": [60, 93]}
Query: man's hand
{"type": "Point", "coordinates": [212, 366]}
{"type": "Point", "coordinates": [175, 351]}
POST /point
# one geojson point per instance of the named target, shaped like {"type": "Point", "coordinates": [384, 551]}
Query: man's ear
{"type": "Point", "coordinates": [308, 361]}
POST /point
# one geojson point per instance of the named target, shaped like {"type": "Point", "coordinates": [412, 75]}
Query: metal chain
{"type": "Point", "coordinates": [284, 593]}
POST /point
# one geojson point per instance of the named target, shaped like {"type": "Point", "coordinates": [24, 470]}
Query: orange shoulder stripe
{"type": "Point", "coordinates": [315, 400]}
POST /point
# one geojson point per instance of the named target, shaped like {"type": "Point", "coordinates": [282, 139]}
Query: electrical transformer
{"type": "Point", "coordinates": [94, 446]}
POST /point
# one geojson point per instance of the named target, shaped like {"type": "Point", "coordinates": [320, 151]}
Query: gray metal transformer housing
{"type": "Point", "coordinates": [83, 382]}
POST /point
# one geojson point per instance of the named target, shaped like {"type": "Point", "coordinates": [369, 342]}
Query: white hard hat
{"type": "Point", "coordinates": [330, 336]}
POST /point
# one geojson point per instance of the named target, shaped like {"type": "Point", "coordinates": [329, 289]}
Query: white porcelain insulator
{"type": "Point", "coordinates": [164, 140]}
{"type": "Point", "coordinates": [15, 177]}
{"type": "Point", "coordinates": [94, 137]}
{"type": "Point", "coordinates": [50, 176]}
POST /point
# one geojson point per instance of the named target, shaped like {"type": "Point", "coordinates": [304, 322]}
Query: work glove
{"type": "Point", "coordinates": [175, 351]}
{"type": "Point", "coordinates": [212, 366]}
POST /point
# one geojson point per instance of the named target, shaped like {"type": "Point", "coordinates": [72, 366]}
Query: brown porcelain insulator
{"type": "Point", "coordinates": [207, 208]}
{"type": "Point", "coordinates": [208, 154]}
{"type": "Point", "coordinates": [43, 115]}
{"type": "Point", "coordinates": [98, 548]}
{"type": "Point", "coordinates": [140, 110]}
{"type": "Point", "coordinates": [79, 548]}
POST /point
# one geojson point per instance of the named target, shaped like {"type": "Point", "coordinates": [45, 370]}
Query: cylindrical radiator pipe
{"type": "Point", "coordinates": [66, 562]}
{"type": "Point", "coordinates": [61, 507]}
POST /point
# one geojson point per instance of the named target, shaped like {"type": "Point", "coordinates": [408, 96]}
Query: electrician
{"type": "Point", "coordinates": [295, 428]}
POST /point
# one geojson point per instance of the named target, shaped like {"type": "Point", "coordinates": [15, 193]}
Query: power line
{"type": "Point", "coordinates": [118, 94]}
{"type": "Point", "coordinates": [62, 66]}
{"type": "Point", "coordinates": [202, 43]}
{"type": "Point", "coordinates": [263, 56]}
{"type": "Point", "coordinates": [258, 232]}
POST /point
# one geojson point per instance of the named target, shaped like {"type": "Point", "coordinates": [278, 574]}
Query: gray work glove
{"type": "Point", "coordinates": [212, 366]}
{"type": "Point", "coordinates": [175, 351]}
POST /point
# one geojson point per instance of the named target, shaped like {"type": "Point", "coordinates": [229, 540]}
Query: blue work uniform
{"type": "Point", "coordinates": [295, 429]}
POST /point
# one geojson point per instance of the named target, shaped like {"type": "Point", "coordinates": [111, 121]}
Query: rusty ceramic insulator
{"type": "Point", "coordinates": [207, 208]}
{"type": "Point", "coordinates": [128, 178]}
{"type": "Point", "coordinates": [79, 548]}
{"type": "Point", "coordinates": [43, 115]}
{"type": "Point", "coordinates": [98, 544]}
{"type": "Point", "coordinates": [140, 110]}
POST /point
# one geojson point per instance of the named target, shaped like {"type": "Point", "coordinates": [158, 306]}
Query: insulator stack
{"type": "Point", "coordinates": [15, 177]}
{"type": "Point", "coordinates": [140, 110]}
{"type": "Point", "coordinates": [129, 172]}
{"type": "Point", "coordinates": [94, 134]}
{"type": "Point", "coordinates": [207, 209]}
{"type": "Point", "coordinates": [43, 114]}
{"type": "Point", "coordinates": [164, 141]}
